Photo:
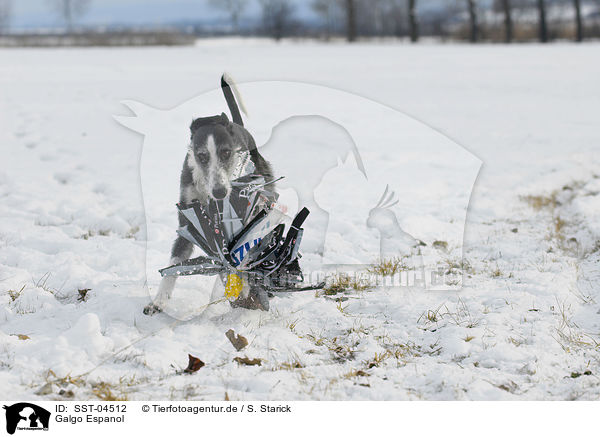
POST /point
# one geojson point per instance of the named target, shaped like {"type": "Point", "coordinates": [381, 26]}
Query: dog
{"type": "Point", "coordinates": [214, 152]}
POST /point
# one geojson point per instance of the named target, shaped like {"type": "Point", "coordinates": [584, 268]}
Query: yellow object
{"type": "Point", "coordinates": [233, 287]}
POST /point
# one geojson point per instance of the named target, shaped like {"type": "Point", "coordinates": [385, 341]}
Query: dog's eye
{"type": "Point", "coordinates": [203, 157]}
{"type": "Point", "coordinates": [225, 154]}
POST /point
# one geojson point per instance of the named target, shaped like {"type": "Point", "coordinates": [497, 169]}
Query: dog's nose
{"type": "Point", "coordinates": [219, 193]}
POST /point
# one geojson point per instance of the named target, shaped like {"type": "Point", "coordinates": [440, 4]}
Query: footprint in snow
{"type": "Point", "coordinates": [63, 178]}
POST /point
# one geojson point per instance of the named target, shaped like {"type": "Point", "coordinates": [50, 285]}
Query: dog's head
{"type": "Point", "coordinates": [214, 154]}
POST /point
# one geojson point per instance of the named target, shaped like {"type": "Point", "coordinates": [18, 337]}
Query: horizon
{"type": "Point", "coordinates": [39, 14]}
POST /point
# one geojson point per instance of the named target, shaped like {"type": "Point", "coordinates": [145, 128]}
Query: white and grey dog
{"type": "Point", "coordinates": [215, 151]}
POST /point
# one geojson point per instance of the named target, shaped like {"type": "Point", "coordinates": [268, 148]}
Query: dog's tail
{"type": "Point", "coordinates": [231, 92]}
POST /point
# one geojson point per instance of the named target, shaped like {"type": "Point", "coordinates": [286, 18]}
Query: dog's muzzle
{"type": "Point", "coordinates": [219, 193]}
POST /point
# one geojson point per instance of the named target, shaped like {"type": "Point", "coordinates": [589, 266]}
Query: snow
{"type": "Point", "coordinates": [73, 214]}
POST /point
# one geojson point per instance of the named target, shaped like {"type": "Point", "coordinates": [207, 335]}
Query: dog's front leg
{"type": "Point", "coordinates": [165, 291]}
{"type": "Point", "coordinates": [182, 250]}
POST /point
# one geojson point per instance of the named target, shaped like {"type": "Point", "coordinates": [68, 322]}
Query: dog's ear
{"type": "Point", "coordinates": [195, 125]}
{"type": "Point", "coordinates": [225, 122]}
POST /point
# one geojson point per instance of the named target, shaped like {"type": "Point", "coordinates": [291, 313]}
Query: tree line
{"type": "Point", "coordinates": [470, 20]}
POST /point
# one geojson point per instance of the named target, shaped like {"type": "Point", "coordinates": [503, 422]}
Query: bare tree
{"type": "Point", "coordinates": [71, 10]}
{"type": "Point", "coordinates": [329, 11]}
{"type": "Point", "coordinates": [413, 21]}
{"type": "Point", "coordinates": [388, 16]}
{"type": "Point", "coordinates": [543, 30]}
{"type": "Point", "coordinates": [350, 8]}
{"type": "Point", "coordinates": [397, 16]}
{"type": "Point", "coordinates": [323, 9]}
{"type": "Point", "coordinates": [374, 17]}
{"type": "Point", "coordinates": [506, 7]}
{"type": "Point", "coordinates": [578, 20]}
{"type": "Point", "coordinates": [472, 7]}
{"type": "Point", "coordinates": [234, 8]}
{"type": "Point", "coordinates": [277, 17]}
{"type": "Point", "coordinates": [5, 15]}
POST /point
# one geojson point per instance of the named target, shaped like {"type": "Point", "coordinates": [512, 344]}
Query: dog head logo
{"type": "Point", "coordinates": [337, 153]}
{"type": "Point", "coordinates": [25, 416]}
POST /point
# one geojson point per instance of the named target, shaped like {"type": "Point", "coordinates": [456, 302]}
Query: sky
{"type": "Point", "coordinates": [39, 13]}
{"type": "Point", "coordinates": [28, 14]}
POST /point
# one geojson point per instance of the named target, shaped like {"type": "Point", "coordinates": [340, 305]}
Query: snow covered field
{"type": "Point", "coordinates": [525, 325]}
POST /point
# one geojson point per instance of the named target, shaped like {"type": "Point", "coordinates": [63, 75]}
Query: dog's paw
{"type": "Point", "coordinates": [257, 299]}
{"type": "Point", "coordinates": [151, 309]}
